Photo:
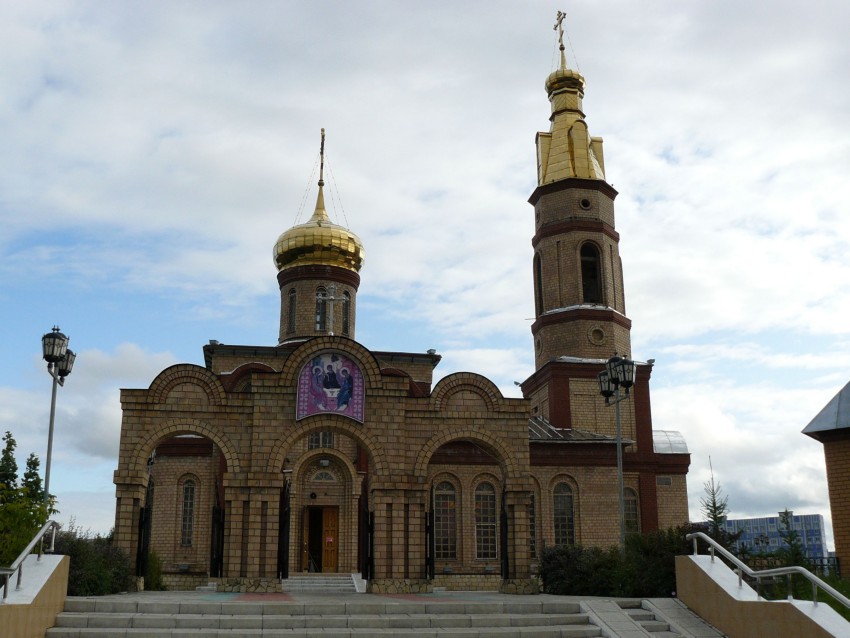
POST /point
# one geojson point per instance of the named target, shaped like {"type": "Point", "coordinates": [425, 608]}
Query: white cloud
{"type": "Point", "coordinates": [153, 153]}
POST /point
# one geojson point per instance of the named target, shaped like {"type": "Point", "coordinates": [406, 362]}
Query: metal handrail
{"type": "Point", "coordinates": [18, 564]}
{"type": "Point", "coordinates": [742, 568]}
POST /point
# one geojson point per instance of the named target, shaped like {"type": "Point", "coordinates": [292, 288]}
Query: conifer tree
{"type": "Point", "coordinates": [715, 507]}
{"type": "Point", "coordinates": [32, 481]}
{"type": "Point", "coordinates": [8, 465]}
{"type": "Point", "coordinates": [22, 507]}
{"type": "Point", "coordinates": [792, 552]}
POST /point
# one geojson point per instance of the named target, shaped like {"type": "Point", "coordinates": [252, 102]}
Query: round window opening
{"type": "Point", "coordinates": [585, 204]}
{"type": "Point", "coordinates": [596, 336]}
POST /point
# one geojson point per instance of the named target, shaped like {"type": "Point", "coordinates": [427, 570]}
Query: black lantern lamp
{"type": "Point", "coordinates": [67, 363]}
{"type": "Point", "coordinates": [54, 345]}
{"type": "Point", "coordinates": [619, 372]}
{"type": "Point", "coordinates": [606, 385]}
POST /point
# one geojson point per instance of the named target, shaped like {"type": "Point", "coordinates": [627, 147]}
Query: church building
{"type": "Point", "coordinates": [320, 454]}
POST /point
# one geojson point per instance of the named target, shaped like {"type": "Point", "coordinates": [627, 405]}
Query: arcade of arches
{"type": "Point", "coordinates": [318, 454]}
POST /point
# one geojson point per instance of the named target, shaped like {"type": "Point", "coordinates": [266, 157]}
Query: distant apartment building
{"type": "Point", "coordinates": [761, 535]}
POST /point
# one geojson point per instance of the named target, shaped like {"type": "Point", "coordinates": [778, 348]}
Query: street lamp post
{"type": "Point", "coordinates": [619, 373]}
{"type": "Point", "coordinates": [60, 361]}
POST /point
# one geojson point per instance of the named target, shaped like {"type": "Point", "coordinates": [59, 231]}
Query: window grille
{"type": "Point", "coordinates": [188, 513]}
{"type": "Point", "coordinates": [323, 438]}
{"type": "Point", "coordinates": [564, 515]}
{"type": "Point", "coordinates": [445, 521]}
{"type": "Point", "coordinates": [485, 521]}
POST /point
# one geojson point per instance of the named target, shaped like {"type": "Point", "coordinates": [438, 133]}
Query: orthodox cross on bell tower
{"type": "Point", "coordinates": [559, 27]}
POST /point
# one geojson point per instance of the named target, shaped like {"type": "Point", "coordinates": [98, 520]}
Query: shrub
{"type": "Point", "coordinates": [651, 560]}
{"type": "Point", "coordinates": [575, 570]}
{"type": "Point", "coordinates": [153, 574]}
{"type": "Point", "coordinates": [647, 569]}
{"type": "Point", "coordinates": [97, 566]}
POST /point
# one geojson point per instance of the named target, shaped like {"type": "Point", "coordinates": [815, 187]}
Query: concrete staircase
{"type": "Point", "coordinates": [320, 583]}
{"type": "Point", "coordinates": [91, 618]}
{"type": "Point", "coordinates": [456, 615]}
{"type": "Point", "coordinates": [649, 620]}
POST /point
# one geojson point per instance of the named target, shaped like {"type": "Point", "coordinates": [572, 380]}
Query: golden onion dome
{"type": "Point", "coordinates": [319, 242]}
{"type": "Point", "coordinates": [564, 78]}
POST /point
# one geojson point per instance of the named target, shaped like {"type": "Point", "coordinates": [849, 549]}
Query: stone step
{"type": "Point", "coordinates": [71, 620]}
{"type": "Point", "coordinates": [331, 583]}
{"type": "Point", "coordinates": [110, 618]}
{"type": "Point", "coordinates": [650, 622]}
{"type": "Point", "coordinates": [489, 632]}
{"type": "Point", "coordinates": [299, 608]}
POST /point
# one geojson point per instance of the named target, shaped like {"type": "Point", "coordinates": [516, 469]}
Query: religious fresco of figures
{"type": "Point", "coordinates": [331, 383]}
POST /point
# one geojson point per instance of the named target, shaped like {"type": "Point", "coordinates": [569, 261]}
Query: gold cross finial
{"type": "Point", "coordinates": [559, 27]}
{"type": "Point", "coordinates": [322, 160]}
{"type": "Point", "coordinates": [559, 19]}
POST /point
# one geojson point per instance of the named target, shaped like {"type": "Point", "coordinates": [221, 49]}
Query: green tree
{"type": "Point", "coordinates": [8, 465]}
{"type": "Point", "coordinates": [792, 552]}
{"type": "Point", "coordinates": [715, 507]}
{"type": "Point", "coordinates": [32, 481]}
{"type": "Point", "coordinates": [22, 509]}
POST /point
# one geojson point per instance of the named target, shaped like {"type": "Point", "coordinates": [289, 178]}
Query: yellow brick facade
{"type": "Point", "coordinates": [319, 454]}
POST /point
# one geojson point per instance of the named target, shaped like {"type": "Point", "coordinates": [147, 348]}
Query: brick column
{"type": "Point", "coordinates": [130, 498]}
{"type": "Point", "coordinates": [236, 494]}
{"type": "Point", "coordinates": [398, 541]}
{"type": "Point", "coordinates": [415, 568]}
{"type": "Point", "coordinates": [519, 580]}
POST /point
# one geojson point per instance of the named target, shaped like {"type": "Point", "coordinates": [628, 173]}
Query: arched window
{"type": "Point", "coordinates": [187, 516]}
{"type": "Point", "coordinates": [538, 285]}
{"type": "Point", "coordinates": [324, 475]}
{"type": "Point", "coordinates": [346, 313]}
{"type": "Point", "coordinates": [290, 311]}
{"type": "Point", "coordinates": [322, 438]}
{"type": "Point", "coordinates": [445, 521]}
{"type": "Point", "coordinates": [321, 310]}
{"type": "Point", "coordinates": [564, 515]}
{"type": "Point", "coordinates": [485, 521]}
{"type": "Point", "coordinates": [630, 511]}
{"type": "Point", "coordinates": [591, 274]}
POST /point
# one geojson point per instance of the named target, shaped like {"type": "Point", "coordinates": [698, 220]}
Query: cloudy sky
{"type": "Point", "coordinates": [152, 152]}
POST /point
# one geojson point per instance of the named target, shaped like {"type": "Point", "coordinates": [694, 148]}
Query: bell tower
{"type": "Point", "coordinates": [579, 303]}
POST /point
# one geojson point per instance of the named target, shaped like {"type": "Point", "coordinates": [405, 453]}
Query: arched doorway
{"type": "Point", "coordinates": [324, 506]}
{"type": "Point", "coordinates": [466, 504]}
{"type": "Point", "coordinates": [182, 517]}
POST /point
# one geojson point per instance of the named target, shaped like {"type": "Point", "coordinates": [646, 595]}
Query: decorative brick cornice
{"type": "Point", "coordinates": [580, 313]}
{"type": "Point", "coordinates": [574, 225]}
{"type": "Point", "coordinates": [333, 273]}
{"type": "Point", "coordinates": [572, 182]}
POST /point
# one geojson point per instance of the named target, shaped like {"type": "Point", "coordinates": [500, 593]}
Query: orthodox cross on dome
{"type": "Point", "coordinates": [322, 159]}
{"type": "Point", "coordinates": [559, 27]}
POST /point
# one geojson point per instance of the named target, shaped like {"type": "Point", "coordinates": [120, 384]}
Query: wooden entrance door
{"type": "Point", "coordinates": [320, 530]}
{"type": "Point", "coordinates": [330, 538]}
